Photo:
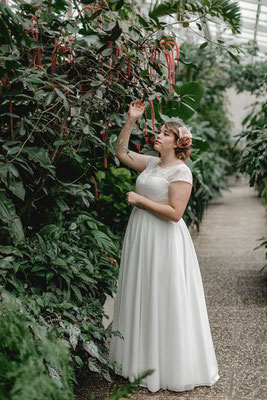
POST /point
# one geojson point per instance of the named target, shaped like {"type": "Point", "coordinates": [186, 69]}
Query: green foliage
{"type": "Point", "coordinates": [129, 388]}
{"type": "Point", "coordinates": [254, 153]}
{"type": "Point", "coordinates": [209, 179]}
{"type": "Point", "coordinates": [66, 82]}
{"type": "Point", "coordinates": [66, 271]}
{"type": "Point", "coordinates": [253, 156]}
{"type": "Point", "coordinates": [65, 87]}
{"type": "Point", "coordinates": [249, 76]}
{"type": "Point", "coordinates": [34, 364]}
{"type": "Point", "coordinates": [9, 216]}
{"type": "Point", "coordinates": [111, 206]}
{"type": "Point", "coordinates": [263, 243]}
{"type": "Point", "coordinates": [264, 194]}
{"type": "Point", "coordinates": [210, 70]}
{"type": "Point", "coordinates": [212, 154]}
{"type": "Point", "coordinates": [227, 10]}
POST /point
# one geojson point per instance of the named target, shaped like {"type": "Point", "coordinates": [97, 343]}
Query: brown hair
{"type": "Point", "coordinates": [172, 126]}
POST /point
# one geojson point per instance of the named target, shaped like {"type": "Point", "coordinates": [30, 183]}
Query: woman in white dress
{"type": "Point", "coordinates": [160, 307]}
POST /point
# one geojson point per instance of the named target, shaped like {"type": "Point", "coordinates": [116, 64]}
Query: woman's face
{"type": "Point", "coordinates": [164, 141]}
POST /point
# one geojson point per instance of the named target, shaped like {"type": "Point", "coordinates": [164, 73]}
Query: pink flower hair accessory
{"type": "Point", "coordinates": [185, 139]}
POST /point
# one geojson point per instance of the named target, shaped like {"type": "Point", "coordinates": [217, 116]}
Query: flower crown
{"type": "Point", "coordinates": [185, 139]}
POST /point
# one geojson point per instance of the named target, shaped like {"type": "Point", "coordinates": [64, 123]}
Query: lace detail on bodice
{"type": "Point", "coordinates": [154, 181]}
{"type": "Point", "coordinates": [178, 172]}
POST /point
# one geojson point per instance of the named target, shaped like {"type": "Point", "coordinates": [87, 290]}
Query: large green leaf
{"type": "Point", "coordinates": [190, 95]}
{"type": "Point", "coordinates": [39, 155]}
{"type": "Point", "coordinates": [162, 9]}
{"type": "Point", "coordinates": [12, 27]}
{"type": "Point", "coordinates": [104, 241]}
{"type": "Point", "coordinates": [9, 216]}
{"type": "Point", "coordinates": [8, 174]}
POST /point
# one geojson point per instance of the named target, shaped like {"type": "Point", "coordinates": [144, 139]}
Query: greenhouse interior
{"type": "Point", "coordinates": [133, 199]}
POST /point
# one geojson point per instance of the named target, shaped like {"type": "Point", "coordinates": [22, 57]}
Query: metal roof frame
{"type": "Point", "coordinates": [253, 26]}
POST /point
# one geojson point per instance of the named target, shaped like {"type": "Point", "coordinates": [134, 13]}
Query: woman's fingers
{"type": "Point", "coordinates": [137, 102]}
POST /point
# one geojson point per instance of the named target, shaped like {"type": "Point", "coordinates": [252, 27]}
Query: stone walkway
{"type": "Point", "coordinates": [236, 297]}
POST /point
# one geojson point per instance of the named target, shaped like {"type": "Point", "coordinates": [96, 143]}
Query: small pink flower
{"type": "Point", "coordinates": [185, 139]}
{"type": "Point", "coordinates": [183, 131]}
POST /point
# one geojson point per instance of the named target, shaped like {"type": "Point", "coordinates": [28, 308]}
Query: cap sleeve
{"type": "Point", "coordinates": [182, 173]}
{"type": "Point", "coordinates": [151, 160]}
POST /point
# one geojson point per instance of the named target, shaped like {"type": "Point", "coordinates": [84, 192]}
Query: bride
{"type": "Point", "coordinates": [160, 308]}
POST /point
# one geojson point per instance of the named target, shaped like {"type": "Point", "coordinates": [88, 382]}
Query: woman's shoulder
{"type": "Point", "coordinates": [181, 172]}
{"type": "Point", "coordinates": [151, 160]}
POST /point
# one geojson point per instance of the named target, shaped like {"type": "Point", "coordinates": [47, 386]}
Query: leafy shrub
{"type": "Point", "coordinates": [34, 364]}
{"type": "Point", "coordinates": [111, 207]}
{"type": "Point", "coordinates": [254, 153]}
{"type": "Point", "coordinates": [66, 273]}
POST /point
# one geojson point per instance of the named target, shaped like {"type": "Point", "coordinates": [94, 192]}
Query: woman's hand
{"type": "Point", "coordinates": [133, 198]}
{"type": "Point", "coordinates": [136, 109]}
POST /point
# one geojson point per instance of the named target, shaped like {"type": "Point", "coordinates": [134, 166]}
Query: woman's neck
{"type": "Point", "coordinates": [169, 159]}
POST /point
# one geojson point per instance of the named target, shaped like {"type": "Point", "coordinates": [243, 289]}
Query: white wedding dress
{"type": "Point", "coordinates": [160, 306]}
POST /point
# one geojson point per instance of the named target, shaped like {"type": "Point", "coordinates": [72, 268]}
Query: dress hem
{"type": "Point", "coordinates": [213, 381]}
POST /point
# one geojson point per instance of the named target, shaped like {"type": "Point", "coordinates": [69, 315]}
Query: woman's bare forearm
{"type": "Point", "coordinates": [124, 136]}
{"type": "Point", "coordinates": [164, 211]}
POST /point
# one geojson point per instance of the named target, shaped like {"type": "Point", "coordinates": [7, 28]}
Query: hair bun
{"type": "Point", "coordinates": [184, 141]}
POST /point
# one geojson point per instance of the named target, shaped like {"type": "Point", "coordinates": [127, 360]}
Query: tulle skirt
{"type": "Point", "coordinates": [160, 308]}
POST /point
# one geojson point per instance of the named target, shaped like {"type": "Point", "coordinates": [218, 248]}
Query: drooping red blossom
{"type": "Point", "coordinates": [138, 146]}
{"type": "Point", "coordinates": [96, 189]}
{"type": "Point", "coordinates": [152, 115]}
{"type": "Point", "coordinates": [105, 162]}
{"type": "Point", "coordinates": [34, 31]}
{"type": "Point", "coordinates": [112, 260]}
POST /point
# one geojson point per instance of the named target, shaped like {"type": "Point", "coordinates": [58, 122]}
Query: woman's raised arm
{"type": "Point", "coordinates": [130, 158]}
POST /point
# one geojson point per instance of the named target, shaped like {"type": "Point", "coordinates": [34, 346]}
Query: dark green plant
{"type": "Point", "coordinates": [254, 153]}
{"type": "Point", "coordinates": [250, 76]}
{"type": "Point", "coordinates": [34, 364]}
{"type": "Point", "coordinates": [67, 271]}
{"type": "Point", "coordinates": [66, 85]}
{"type": "Point", "coordinates": [111, 206]}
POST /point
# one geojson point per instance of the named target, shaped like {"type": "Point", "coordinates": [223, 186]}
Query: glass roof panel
{"type": "Point", "coordinates": [254, 26]}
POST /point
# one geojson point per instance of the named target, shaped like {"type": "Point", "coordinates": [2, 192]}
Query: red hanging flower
{"type": "Point", "coordinates": [96, 189]}
{"type": "Point", "coordinates": [138, 146]}
{"type": "Point", "coordinates": [152, 115]}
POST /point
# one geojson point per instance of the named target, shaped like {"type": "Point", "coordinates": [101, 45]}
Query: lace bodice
{"type": "Point", "coordinates": [154, 181]}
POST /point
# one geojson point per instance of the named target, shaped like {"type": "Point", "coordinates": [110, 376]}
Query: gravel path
{"type": "Point", "coordinates": [236, 297]}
